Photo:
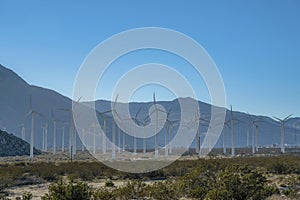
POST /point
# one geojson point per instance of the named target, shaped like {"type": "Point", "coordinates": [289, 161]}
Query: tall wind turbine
{"type": "Point", "coordinates": [156, 110]}
{"type": "Point", "coordinates": [199, 120]}
{"type": "Point", "coordinates": [54, 121]}
{"type": "Point", "coordinates": [168, 126]}
{"type": "Point", "coordinates": [63, 140]}
{"type": "Point", "coordinates": [43, 139]}
{"type": "Point", "coordinates": [282, 123]}
{"type": "Point", "coordinates": [232, 131]}
{"type": "Point", "coordinates": [83, 139]}
{"type": "Point", "coordinates": [103, 115]}
{"type": "Point", "coordinates": [22, 132]}
{"type": "Point", "coordinates": [254, 125]}
{"type": "Point", "coordinates": [224, 136]}
{"type": "Point", "coordinates": [104, 118]}
{"type": "Point", "coordinates": [136, 122]}
{"type": "Point", "coordinates": [32, 113]}
{"type": "Point", "coordinates": [46, 137]}
{"type": "Point", "coordinates": [72, 132]}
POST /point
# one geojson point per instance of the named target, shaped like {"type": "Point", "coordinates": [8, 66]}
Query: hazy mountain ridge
{"type": "Point", "coordinates": [14, 105]}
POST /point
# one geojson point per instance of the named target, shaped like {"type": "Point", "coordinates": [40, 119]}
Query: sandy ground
{"type": "Point", "coordinates": [40, 189]}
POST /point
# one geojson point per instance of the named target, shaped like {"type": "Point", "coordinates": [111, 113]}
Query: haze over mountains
{"type": "Point", "coordinates": [14, 106]}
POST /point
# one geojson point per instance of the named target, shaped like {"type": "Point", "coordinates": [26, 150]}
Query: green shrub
{"type": "Point", "coordinates": [103, 194]}
{"type": "Point", "coordinates": [132, 190]}
{"type": "Point", "coordinates": [162, 191]}
{"type": "Point", "coordinates": [72, 190]}
{"type": "Point", "coordinates": [109, 183]}
{"type": "Point", "coordinates": [240, 183]}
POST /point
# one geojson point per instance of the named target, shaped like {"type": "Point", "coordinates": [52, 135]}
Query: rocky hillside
{"type": "Point", "coordinates": [11, 145]}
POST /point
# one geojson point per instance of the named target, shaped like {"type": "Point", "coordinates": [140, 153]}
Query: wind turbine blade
{"type": "Point", "coordinates": [37, 113]}
{"type": "Point", "coordinates": [161, 110]}
{"type": "Point", "coordinates": [29, 113]}
{"type": "Point", "coordinates": [287, 117]}
{"type": "Point", "coordinates": [137, 113]}
{"type": "Point", "coordinates": [151, 113]}
{"type": "Point", "coordinates": [277, 119]}
{"type": "Point", "coordinates": [76, 102]}
{"type": "Point", "coordinates": [116, 101]}
{"type": "Point", "coordinates": [205, 120]}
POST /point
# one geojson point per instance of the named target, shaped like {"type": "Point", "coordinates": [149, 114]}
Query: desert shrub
{"type": "Point", "coordinates": [109, 183]}
{"type": "Point", "coordinates": [292, 185]}
{"type": "Point", "coordinates": [162, 191]}
{"type": "Point", "coordinates": [240, 183]}
{"type": "Point", "coordinates": [71, 190]}
{"type": "Point", "coordinates": [132, 190]}
{"type": "Point", "coordinates": [103, 194]}
{"type": "Point", "coordinates": [198, 182]}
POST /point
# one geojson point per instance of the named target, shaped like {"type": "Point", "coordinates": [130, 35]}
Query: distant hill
{"type": "Point", "coordinates": [14, 105]}
{"type": "Point", "coordinates": [11, 145]}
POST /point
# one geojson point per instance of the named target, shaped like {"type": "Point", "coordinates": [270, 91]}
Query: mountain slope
{"type": "Point", "coordinates": [11, 145]}
{"type": "Point", "coordinates": [14, 105]}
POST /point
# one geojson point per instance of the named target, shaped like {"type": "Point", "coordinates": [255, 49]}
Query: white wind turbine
{"type": "Point", "coordinates": [224, 136]}
{"type": "Point", "coordinates": [63, 139]}
{"type": "Point", "coordinates": [104, 118]}
{"type": "Point", "coordinates": [22, 131]}
{"type": "Point", "coordinates": [254, 127]}
{"type": "Point", "coordinates": [103, 115]}
{"type": "Point", "coordinates": [32, 113]}
{"type": "Point", "coordinates": [156, 110]}
{"type": "Point", "coordinates": [232, 131]}
{"type": "Point", "coordinates": [144, 124]}
{"type": "Point", "coordinates": [54, 121]}
{"type": "Point", "coordinates": [46, 137]}
{"type": "Point", "coordinates": [83, 139]}
{"type": "Point", "coordinates": [94, 138]}
{"type": "Point", "coordinates": [72, 132]}
{"type": "Point", "coordinates": [170, 124]}
{"type": "Point", "coordinates": [136, 122]}
{"type": "Point", "coordinates": [43, 139]}
{"type": "Point", "coordinates": [198, 121]}
{"type": "Point", "coordinates": [282, 123]}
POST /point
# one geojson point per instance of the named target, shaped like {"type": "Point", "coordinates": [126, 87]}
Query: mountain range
{"type": "Point", "coordinates": [15, 105]}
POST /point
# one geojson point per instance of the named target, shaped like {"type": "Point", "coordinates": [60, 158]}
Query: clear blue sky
{"type": "Point", "coordinates": [255, 44]}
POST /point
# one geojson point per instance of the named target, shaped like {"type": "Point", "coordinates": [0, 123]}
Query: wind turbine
{"type": "Point", "coordinates": [43, 140]}
{"type": "Point", "coordinates": [46, 137]}
{"type": "Point", "coordinates": [144, 132]}
{"type": "Point", "coordinates": [72, 132]}
{"type": "Point", "coordinates": [170, 124]}
{"type": "Point", "coordinates": [156, 110]}
{"type": "Point", "coordinates": [83, 139]}
{"type": "Point", "coordinates": [198, 120]}
{"type": "Point", "coordinates": [54, 121]}
{"type": "Point", "coordinates": [32, 113]}
{"type": "Point", "coordinates": [254, 127]}
{"type": "Point", "coordinates": [103, 115]}
{"type": "Point", "coordinates": [63, 140]}
{"type": "Point", "coordinates": [22, 131]}
{"type": "Point", "coordinates": [136, 122]}
{"type": "Point", "coordinates": [224, 137]}
{"type": "Point", "coordinates": [94, 138]}
{"type": "Point", "coordinates": [232, 131]}
{"type": "Point", "coordinates": [282, 123]}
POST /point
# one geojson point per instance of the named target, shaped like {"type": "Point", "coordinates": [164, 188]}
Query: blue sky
{"type": "Point", "coordinates": [255, 45]}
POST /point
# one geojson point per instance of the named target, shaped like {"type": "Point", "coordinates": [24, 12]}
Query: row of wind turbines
{"type": "Point", "coordinates": [169, 126]}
